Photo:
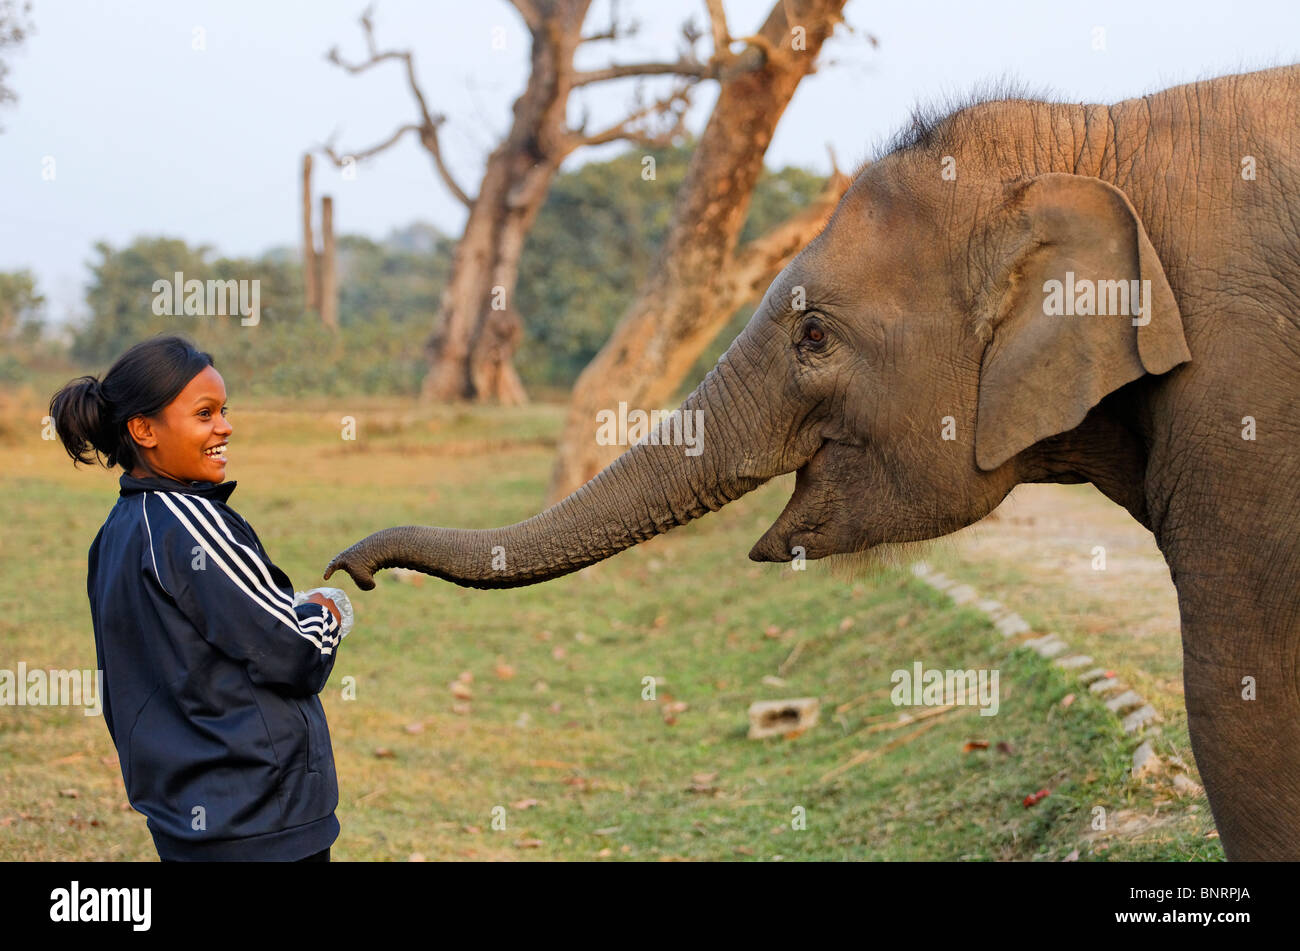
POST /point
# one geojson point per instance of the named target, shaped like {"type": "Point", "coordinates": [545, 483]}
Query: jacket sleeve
{"type": "Point", "coordinates": [214, 569]}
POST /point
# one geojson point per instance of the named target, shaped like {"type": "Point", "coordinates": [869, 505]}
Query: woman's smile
{"type": "Point", "coordinates": [216, 458]}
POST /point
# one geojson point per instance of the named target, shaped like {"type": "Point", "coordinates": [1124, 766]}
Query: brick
{"type": "Point", "coordinates": [1124, 702]}
{"type": "Point", "coordinates": [962, 594]}
{"type": "Point", "coordinates": [779, 717]}
{"type": "Point", "coordinates": [1011, 625]}
{"type": "Point", "coordinates": [1049, 645]}
{"type": "Point", "coordinates": [1140, 718]}
{"type": "Point", "coordinates": [1145, 761]}
{"type": "Point", "coordinates": [1073, 661]}
{"type": "Point", "coordinates": [1105, 685]}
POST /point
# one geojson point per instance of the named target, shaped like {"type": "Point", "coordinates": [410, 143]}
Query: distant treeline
{"type": "Point", "coordinates": [591, 246]}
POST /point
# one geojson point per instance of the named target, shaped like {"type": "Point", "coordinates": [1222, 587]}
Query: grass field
{"type": "Point", "coordinates": [557, 732]}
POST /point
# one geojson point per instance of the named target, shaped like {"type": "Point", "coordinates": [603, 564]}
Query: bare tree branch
{"type": "Point", "coordinates": [722, 66]}
{"type": "Point", "coordinates": [615, 31]}
{"type": "Point", "coordinates": [341, 160]}
{"type": "Point", "coordinates": [427, 129]}
{"type": "Point", "coordinates": [675, 103]}
{"type": "Point", "coordinates": [683, 67]}
{"type": "Point", "coordinates": [718, 22]}
{"type": "Point", "coordinates": [377, 57]}
{"type": "Point", "coordinates": [429, 139]}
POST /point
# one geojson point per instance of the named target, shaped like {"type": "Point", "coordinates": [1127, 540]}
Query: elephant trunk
{"type": "Point", "coordinates": [656, 485]}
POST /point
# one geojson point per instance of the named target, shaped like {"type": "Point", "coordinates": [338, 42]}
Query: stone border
{"type": "Point", "coordinates": [1133, 711]}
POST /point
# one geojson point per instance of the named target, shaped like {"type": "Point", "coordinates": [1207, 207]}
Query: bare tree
{"type": "Point", "coordinates": [328, 293]}
{"type": "Point", "coordinates": [319, 270]}
{"type": "Point", "coordinates": [471, 350]}
{"type": "Point", "coordinates": [310, 288]}
{"type": "Point", "coordinates": [701, 277]}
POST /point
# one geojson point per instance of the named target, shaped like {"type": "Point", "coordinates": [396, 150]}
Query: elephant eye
{"type": "Point", "coordinates": [813, 334]}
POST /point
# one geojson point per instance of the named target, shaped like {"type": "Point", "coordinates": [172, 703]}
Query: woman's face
{"type": "Point", "coordinates": [176, 443]}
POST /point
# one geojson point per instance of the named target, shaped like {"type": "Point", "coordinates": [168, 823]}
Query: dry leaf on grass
{"type": "Point", "coordinates": [1034, 799]}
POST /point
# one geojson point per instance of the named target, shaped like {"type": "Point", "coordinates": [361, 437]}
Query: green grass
{"type": "Point", "coordinates": [569, 728]}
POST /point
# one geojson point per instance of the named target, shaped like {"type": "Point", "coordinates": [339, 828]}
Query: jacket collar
{"type": "Point", "coordinates": [209, 490]}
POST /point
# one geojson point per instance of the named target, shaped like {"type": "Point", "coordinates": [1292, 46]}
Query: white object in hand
{"type": "Point", "coordinates": [340, 599]}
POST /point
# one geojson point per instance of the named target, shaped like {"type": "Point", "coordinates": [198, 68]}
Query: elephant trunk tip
{"type": "Point", "coordinates": [390, 548]}
{"type": "Point", "coordinates": [770, 548]}
{"type": "Point", "coordinates": [361, 573]}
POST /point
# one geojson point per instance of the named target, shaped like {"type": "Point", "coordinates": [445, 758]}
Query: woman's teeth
{"type": "Point", "coordinates": [217, 452]}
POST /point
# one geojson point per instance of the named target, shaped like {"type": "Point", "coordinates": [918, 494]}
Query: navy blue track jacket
{"type": "Point", "coordinates": [210, 678]}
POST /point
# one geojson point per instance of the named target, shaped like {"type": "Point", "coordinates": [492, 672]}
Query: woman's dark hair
{"type": "Point", "coordinates": [90, 415]}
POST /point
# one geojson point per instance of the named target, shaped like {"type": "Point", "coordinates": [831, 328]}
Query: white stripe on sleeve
{"type": "Point", "coordinates": [273, 607]}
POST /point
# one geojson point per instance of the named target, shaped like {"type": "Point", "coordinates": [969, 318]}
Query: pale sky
{"type": "Point", "coordinates": [150, 136]}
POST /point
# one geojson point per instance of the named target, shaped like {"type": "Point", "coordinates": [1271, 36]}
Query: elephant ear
{"type": "Point", "coordinates": [1043, 370]}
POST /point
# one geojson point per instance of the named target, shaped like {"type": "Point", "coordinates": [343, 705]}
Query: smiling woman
{"type": "Point", "coordinates": [211, 661]}
{"type": "Point", "coordinates": [187, 441]}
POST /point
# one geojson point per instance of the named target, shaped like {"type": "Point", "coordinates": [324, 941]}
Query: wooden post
{"type": "Point", "coordinates": [329, 291]}
{"type": "Point", "coordinates": [310, 282]}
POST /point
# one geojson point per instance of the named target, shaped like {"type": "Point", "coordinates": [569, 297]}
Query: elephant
{"type": "Point", "coordinates": [1077, 293]}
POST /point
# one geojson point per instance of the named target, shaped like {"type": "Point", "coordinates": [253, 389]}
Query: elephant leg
{"type": "Point", "coordinates": [1243, 707]}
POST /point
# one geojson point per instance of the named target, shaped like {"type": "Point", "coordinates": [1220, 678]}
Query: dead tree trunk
{"type": "Point", "coordinates": [472, 351]}
{"type": "Point", "coordinates": [329, 285]}
{"type": "Point", "coordinates": [478, 330]}
{"type": "Point", "coordinates": [700, 279]}
{"type": "Point", "coordinates": [310, 289]}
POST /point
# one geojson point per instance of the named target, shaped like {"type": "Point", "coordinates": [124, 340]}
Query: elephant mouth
{"type": "Point", "coordinates": [825, 514]}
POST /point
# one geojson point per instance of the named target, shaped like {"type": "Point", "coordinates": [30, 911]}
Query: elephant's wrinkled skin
{"type": "Point", "coordinates": [925, 299]}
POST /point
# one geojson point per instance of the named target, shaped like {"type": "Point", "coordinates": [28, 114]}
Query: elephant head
{"type": "Point", "coordinates": [908, 364]}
